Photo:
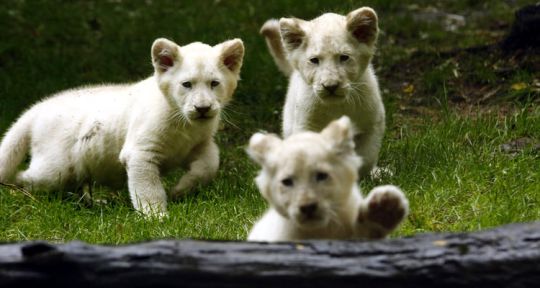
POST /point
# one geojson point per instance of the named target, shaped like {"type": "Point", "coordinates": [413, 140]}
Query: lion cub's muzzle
{"type": "Point", "coordinates": [331, 91]}
{"type": "Point", "coordinates": [203, 112]}
{"type": "Point", "coordinates": [310, 214]}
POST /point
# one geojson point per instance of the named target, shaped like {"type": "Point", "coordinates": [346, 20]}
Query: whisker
{"type": "Point", "coordinates": [179, 118]}
{"type": "Point", "coordinates": [226, 117]}
{"type": "Point", "coordinates": [230, 107]}
{"type": "Point", "coordinates": [349, 100]}
{"type": "Point", "coordinates": [334, 217]}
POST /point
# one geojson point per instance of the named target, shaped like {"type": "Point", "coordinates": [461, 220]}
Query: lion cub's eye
{"type": "Point", "coordinates": [186, 84]}
{"type": "Point", "coordinates": [314, 60]}
{"type": "Point", "coordinates": [214, 83]}
{"type": "Point", "coordinates": [287, 182]}
{"type": "Point", "coordinates": [343, 58]}
{"type": "Point", "coordinates": [321, 176]}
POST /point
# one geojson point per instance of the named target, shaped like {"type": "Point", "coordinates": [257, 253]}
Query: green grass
{"type": "Point", "coordinates": [457, 178]}
{"type": "Point", "coordinates": [449, 165]}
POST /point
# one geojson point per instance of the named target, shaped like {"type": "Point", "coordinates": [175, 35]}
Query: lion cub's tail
{"type": "Point", "coordinates": [272, 35]}
{"type": "Point", "coordinates": [14, 147]}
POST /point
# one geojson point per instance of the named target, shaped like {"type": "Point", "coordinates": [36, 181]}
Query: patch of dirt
{"type": "Point", "coordinates": [480, 77]}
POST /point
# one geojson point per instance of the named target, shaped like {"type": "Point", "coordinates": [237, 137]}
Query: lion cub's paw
{"type": "Point", "coordinates": [386, 206]}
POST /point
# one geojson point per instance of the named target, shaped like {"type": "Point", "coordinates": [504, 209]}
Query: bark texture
{"type": "Point", "coordinates": [504, 257]}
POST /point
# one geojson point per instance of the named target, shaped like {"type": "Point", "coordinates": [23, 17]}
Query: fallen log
{"type": "Point", "coordinates": [508, 256]}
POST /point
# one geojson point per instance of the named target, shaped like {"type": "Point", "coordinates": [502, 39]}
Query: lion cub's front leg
{"type": "Point", "coordinates": [203, 167]}
{"type": "Point", "coordinates": [381, 212]}
{"type": "Point", "coordinates": [146, 190]}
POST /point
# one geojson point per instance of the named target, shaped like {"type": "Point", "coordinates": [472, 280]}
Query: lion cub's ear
{"type": "Point", "coordinates": [165, 55]}
{"type": "Point", "coordinates": [232, 54]}
{"type": "Point", "coordinates": [362, 24]}
{"type": "Point", "coordinates": [291, 33]}
{"type": "Point", "coordinates": [341, 134]}
{"type": "Point", "coordinates": [260, 145]}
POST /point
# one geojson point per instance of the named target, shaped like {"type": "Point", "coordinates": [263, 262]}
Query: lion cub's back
{"type": "Point", "coordinates": [85, 127]}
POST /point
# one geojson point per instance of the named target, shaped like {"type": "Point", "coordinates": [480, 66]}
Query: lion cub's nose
{"type": "Point", "coordinates": [309, 209]}
{"type": "Point", "coordinates": [202, 109]}
{"type": "Point", "coordinates": [331, 88]}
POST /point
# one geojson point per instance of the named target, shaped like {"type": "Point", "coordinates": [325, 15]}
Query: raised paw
{"type": "Point", "coordinates": [386, 206]}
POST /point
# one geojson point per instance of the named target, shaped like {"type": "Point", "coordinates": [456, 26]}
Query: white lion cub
{"type": "Point", "coordinates": [328, 60]}
{"type": "Point", "coordinates": [141, 130]}
{"type": "Point", "coordinates": [309, 180]}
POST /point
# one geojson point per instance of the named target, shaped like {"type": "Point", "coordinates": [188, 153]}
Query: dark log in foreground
{"type": "Point", "coordinates": [505, 257]}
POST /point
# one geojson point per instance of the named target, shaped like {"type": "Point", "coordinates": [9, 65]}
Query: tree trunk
{"type": "Point", "coordinates": [505, 257]}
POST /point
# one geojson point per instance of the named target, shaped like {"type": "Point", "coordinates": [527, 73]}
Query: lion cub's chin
{"type": "Point", "coordinates": [338, 95]}
{"type": "Point", "coordinates": [332, 99]}
{"type": "Point", "coordinates": [201, 119]}
{"type": "Point", "coordinates": [307, 224]}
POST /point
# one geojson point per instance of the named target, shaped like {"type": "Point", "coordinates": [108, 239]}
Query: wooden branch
{"type": "Point", "coordinates": [505, 257]}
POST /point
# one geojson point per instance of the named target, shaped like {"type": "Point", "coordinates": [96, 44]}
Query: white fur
{"type": "Point", "coordinates": [311, 106]}
{"type": "Point", "coordinates": [309, 181]}
{"type": "Point", "coordinates": [103, 133]}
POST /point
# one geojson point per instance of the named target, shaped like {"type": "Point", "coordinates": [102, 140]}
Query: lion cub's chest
{"type": "Point", "coordinates": [178, 146]}
{"type": "Point", "coordinates": [335, 230]}
{"type": "Point", "coordinates": [322, 114]}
